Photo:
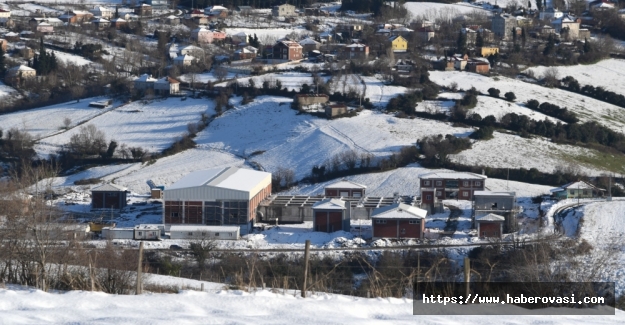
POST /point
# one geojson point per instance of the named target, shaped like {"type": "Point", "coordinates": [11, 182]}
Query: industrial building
{"type": "Point", "coordinates": [217, 197]}
{"type": "Point", "coordinates": [398, 220]}
{"type": "Point", "coordinates": [331, 215]}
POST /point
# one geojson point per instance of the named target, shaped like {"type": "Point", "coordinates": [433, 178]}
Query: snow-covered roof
{"type": "Point", "coordinates": [346, 184]}
{"type": "Point", "coordinates": [191, 48]}
{"type": "Point", "coordinates": [118, 20]}
{"type": "Point", "coordinates": [452, 175]}
{"type": "Point", "coordinates": [146, 78]}
{"type": "Point", "coordinates": [399, 211]}
{"type": "Point", "coordinates": [330, 204]}
{"type": "Point", "coordinates": [191, 228]}
{"type": "Point", "coordinates": [490, 217]}
{"type": "Point", "coordinates": [184, 58]}
{"type": "Point", "coordinates": [44, 24]}
{"type": "Point", "coordinates": [493, 193]}
{"type": "Point", "coordinates": [108, 188]}
{"type": "Point", "coordinates": [356, 45]}
{"type": "Point", "coordinates": [100, 21]}
{"type": "Point", "coordinates": [233, 178]}
{"type": "Point", "coordinates": [20, 68]}
{"type": "Point", "coordinates": [11, 34]}
{"type": "Point", "coordinates": [576, 185]}
{"type": "Point", "coordinates": [308, 41]}
{"type": "Point", "coordinates": [215, 8]}
{"type": "Point", "coordinates": [81, 12]}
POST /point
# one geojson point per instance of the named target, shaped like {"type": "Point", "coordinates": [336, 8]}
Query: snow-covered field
{"type": "Point", "coordinates": [609, 74]}
{"type": "Point", "coordinates": [289, 80]}
{"type": "Point", "coordinates": [498, 107]}
{"type": "Point", "coordinates": [71, 58]}
{"type": "Point", "coordinates": [6, 92]}
{"type": "Point", "coordinates": [266, 34]}
{"type": "Point", "coordinates": [587, 109]}
{"type": "Point", "coordinates": [20, 305]}
{"type": "Point", "coordinates": [152, 125]}
{"type": "Point", "coordinates": [441, 11]}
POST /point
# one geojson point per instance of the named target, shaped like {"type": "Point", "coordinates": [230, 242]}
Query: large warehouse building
{"type": "Point", "coordinates": [217, 197]}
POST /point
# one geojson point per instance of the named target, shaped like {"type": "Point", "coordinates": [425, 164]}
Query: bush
{"type": "Point", "coordinates": [483, 133]}
{"type": "Point", "coordinates": [493, 92]}
{"type": "Point", "coordinates": [510, 96]}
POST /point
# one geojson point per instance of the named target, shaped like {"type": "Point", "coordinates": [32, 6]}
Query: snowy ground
{"type": "Point", "coordinates": [265, 34]}
{"type": "Point", "coordinates": [434, 11]}
{"type": "Point", "coordinates": [498, 107]}
{"type": "Point", "coordinates": [587, 109]}
{"type": "Point", "coordinates": [22, 305]}
{"type": "Point", "coordinates": [71, 58]}
{"type": "Point", "coordinates": [609, 74]}
{"type": "Point", "coordinates": [289, 80]}
{"type": "Point", "coordinates": [6, 92]}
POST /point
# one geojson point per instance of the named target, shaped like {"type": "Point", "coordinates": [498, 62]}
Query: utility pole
{"type": "Point", "coordinates": [467, 276]}
{"type": "Point", "coordinates": [306, 256]}
{"type": "Point", "coordinates": [139, 280]}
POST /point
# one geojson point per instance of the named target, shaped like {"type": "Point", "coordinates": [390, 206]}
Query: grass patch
{"type": "Point", "coordinates": [614, 162]}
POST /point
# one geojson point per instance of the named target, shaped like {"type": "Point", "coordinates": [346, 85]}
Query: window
{"type": "Point", "coordinates": [426, 183]}
{"type": "Point", "coordinates": [344, 194]}
{"type": "Point", "coordinates": [403, 231]}
{"type": "Point", "coordinates": [380, 222]}
{"type": "Point", "coordinates": [572, 192]}
{"type": "Point", "coordinates": [439, 183]}
{"type": "Point", "coordinates": [216, 234]}
{"type": "Point", "coordinates": [494, 206]}
{"type": "Point", "coordinates": [413, 222]}
{"type": "Point", "coordinates": [465, 184]}
{"type": "Point", "coordinates": [357, 194]}
{"type": "Point", "coordinates": [465, 194]}
{"type": "Point", "coordinates": [428, 197]}
{"type": "Point", "coordinates": [439, 193]}
{"type": "Point", "coordinates": [190, 234]}
{"type": "Point", "coordinates": [174, 214]}
{"type": "Point", "coordinates": [140, 233]}
{"type": "Point", "coordinates": [478, 183]}
{"type": "Point", "coordinates": [585, 192]}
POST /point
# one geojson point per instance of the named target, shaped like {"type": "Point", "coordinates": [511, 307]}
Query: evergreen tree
{"type": "Point", "coordinates": [461, 43]}
{"type": "Point", "coordinates": [587, 47]}
{"type": "Point", "coordinates": [539, 5]}
{"type": "Point", "coordinates": [2, 68]}
{"type": "Point", "coordinates": [529, 4]}
{"type": "Point", "coordinates": [479, 40]}
{"type": "Point", "coordinates": [513, 34]}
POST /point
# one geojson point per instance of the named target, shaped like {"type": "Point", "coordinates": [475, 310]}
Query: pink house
{"type": "Point", "coordinates": [218, 35]}
{"type": "Point", "coordinates": [202, 35]}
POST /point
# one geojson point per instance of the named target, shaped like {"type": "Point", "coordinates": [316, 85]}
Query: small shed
{"type": "Point", "coordinates": [334, 110]}
{"type": "Point", "coordinates": [330, 215]}
{"type": "Point", "coordinates": [200, 232]}
{"type": "Point", "coordinates": [398, 220]}
{"type": "Point", "coordinates": [108, 196]}
{"type": "Point", "coordinates": [147, 232]}
{"type": "Point", "coordinates": [490, 225]}
{"type": "Point", "coordinates": [345, 188]}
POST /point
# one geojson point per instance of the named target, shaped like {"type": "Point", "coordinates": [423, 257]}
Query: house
{"type": "Point", "coordinates": [218, 35]}
{"type": "Point", "coordinates": [82, 16]}
{"type": "Point", "coordinates": [502, 25]}
{"type": "Point", "coordinates": [33, 22]}
{"type": "Point", "coordinates": [283, 10]}
{"type": "Point", "coordinates": [5, 13]}
{"type": "Point", "coordinates": [383, 32]}
{"type": "Point", "coordinates": [331, 215]}
{"type": "Point", "coordinates": [202, 35]}
{"type": "Point", "coordinates": [147, 232]}
{"type": "Point", "coordinates": [332, 110]}
{"type": "Point", "coordinates": [569, 24]}
{"type": "Point", "coordinates": [311, 99]}
{"type": "Point", "coordinates": [199, 232]}
{"type": "Point", "coordinates": [172, 20]}
{"type": "Point", "coordinates": [118, 22]}
{"type": "Point", "coordinates": [108, 196]}
{"type": "Point", "coordinates": [194, 13]}
{"type": "Point", "coordinates": [404, 31]}
{"type": "Point", "coordinates": [351, 27]}
{"type": "Point", "coordinates": [144, 82]}
{"type": "Point", "coordinates": [158, 4]}
{"type": "Point", "coordinates": [345, 188]}
{"type": "Point", "coordinates": [3, 45]}
{"type": "Point", "coordinates": [287, 50]}
{"type": "Point", "coordinates": [583, 34]}
{"type": "Point", "coordinates": [248, 52]}
{"type": "Point", "coordinates": [601, 5]}
{"type": "Point", "coordinates": [477, 66]}
{"type": "Point", "coordinates": [309, 44]}
{"type": "Point", "coordinates": [241, 37]}
{"type": "Point", "coordinates": [486, 51]}
{"type": "Point", "coordinates": [490, 225]}
{"type": "Point", "coordinates": [216, 11]}
{"type": "Point", "coordinates": [195, 51]}
{"type": "Point", "coordinates": [577, 190]}
{"type": "Point", "coordinates": [18, 74]}
{"type": "Point", "coordinates": [398, 220]}
{"type": "Point", "coordinates": [143, 10]}
{"type": "Point", "coordinates": [101, 23]}
{"type": "Point", "coordinates": [460, 61]}
{"type": "Point", "coordinates": [398, 43]}
{"type": "Point", "coordinates": [621, 13]}
{"type": "Point", "coordinates": [166, 86]}
{"type": "Point", "coordinates": [443, 64]}
{"type": "Point", "coordinates": [425, 34]}
{"type": "Point", "coordinates": [184, 60]}
{"type": "Point", "coordinates": [438, 186]}
{"type": "Point", "coordinates": [131, 17]}
{"type": "Point", "coordinates": [501, 203]}
{"type": "Point", "coordinates": [45, 28]}
{"type": "Point", "coordinates": [12, 36]}
{"type": "Point", "coordinates": [218, 196]}
{"type": "Point", "coordinates": [356, 51]}
{"type": "Point", "coordinates": [104, 12]}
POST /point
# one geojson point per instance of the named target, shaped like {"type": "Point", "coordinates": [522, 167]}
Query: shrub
{"type": "Point", "coordinates": [483, 133]}
{"type": "Point", "coordinates": [510, 96]}
{"type": "Point", "coordinates": [493, 92]}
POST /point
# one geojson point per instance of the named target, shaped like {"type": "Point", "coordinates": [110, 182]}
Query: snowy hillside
{"type": "Point", "coordinates": [609, 74]}
{"type": "Point", "coordinates": [29, 306]}
{"type": "Point", "coordinates": [441, 11]}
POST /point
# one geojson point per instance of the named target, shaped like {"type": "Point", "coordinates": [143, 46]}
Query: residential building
{"type": "Point", "coordinates": [45, 28]}
{"type": "Point", "coordinates": [312, 99]}
{"type": "Point", "coordinates": [443, 64]}
{"type": "Point", "coordinates": [550, 14]}
{"type": "Point", "coordinates": [356, 51]}
{"type": "Point", "coordinates": [104, 12]}
{"type": "Point", "coordinates": [12, 36]}
{"type": "Point", "coordinates": [576, 190]}
{"type": "Point", "coordinates": [218, 196]}
{"type": "Point", "coordinates": [425, 34]}
{"type": "Point", "coordinates": [245, 53]}
{"type": "Point", "coordinates": [5, 13]}
{"type": "Point", "coordinates": [398, 220]}
{"type": "Point", "coordinates": [398, 43]}
{"type": "Point", "coordinates": [309, 44]}
{"type": "Point", "coordinates": [601, 5]}
{"type": "Point", "coordinates": [241, 37]}
{"type": "Point", "coordinates": [172, 20]}
{"type": "Point", "coordinates": [195, 51]}
{"type": "Point", "coordinates": [202, 35]}
{"type": "Point", "coordinates": [143, 10]}
{"type": "Point", "coordinates": [437, 186]}
{"type": "Point", "coordinates": [485, 51]}
{"type": "Point", "coordinates": [16, 75]}
{"type": "Point", "coordinates": [76, 17]}
{"type": "Point", "coordinates": [218, 35]}
{"type": "Point", "coordinates": [215, 10]}
{"type": "Point", "coordinates": [333, 110]}
{"type": "Point", "coordinates": [144, 82]}
{"type": "Point", "coordinates": [166, 86]}
{"type": "Point", "coordinates": [287, 50]}
{"type": "Point", "coordinates": [7, 22]}
{"type": "Point", "coordinates": [101, 23]}
{"type": "Point", "coordinates": [331, 215]}
{"type": "Point", "coordinates": [158, 4]}
{"type": "Point", "coordinates": [460, 61]}
{"type": "Point", "coordinates": [184, 60]}
{"type": "Point", "coordinates": [490, 225]}
{"type": "Point", "coordinates": [108, 196]}
{"type": "Point", "coordinates": [118, 22]}
{"type": "Point", "coordinates": [477, 66]}
{"type": "Point", "coordinates": [501, 203]}
{"type": "Point", "coordinates": [3, 45]}
{"type": "Point", "coordinates": [194, 13]}
{"type": "Point", "coordinates": [283, 10]}
{"type": "Point", "coordinates": [569, 24]}
{"type": "Point", "coordinates": [502, 26]}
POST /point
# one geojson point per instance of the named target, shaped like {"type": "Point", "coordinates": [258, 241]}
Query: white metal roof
{"type": "Point", "coordinates": [229, 177]}
{"type": "Point", "coordinates": [490, 217]}
{"type": "Point", "coordinates": [192, 228]}
{"type": "Point", "coordinates": [108, 188]}
{"type": "Point", "coordinates": [330, 204]}
{"type": "Point", "coordinates": [493, 193]}
{"type": "Point", "coordinates": [346, 184]}
{"type": "Point", "coordinates": [577, 185]}
{"type": "Point", "coordinates": [452, 175]}
{"type": "Point", "coordinates": [399, 211]}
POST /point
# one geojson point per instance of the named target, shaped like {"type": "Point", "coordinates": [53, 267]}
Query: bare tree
{"type": "Point", "coordinates": [66, 123]}
{"type": "Point", "coordinates": [88, 141]}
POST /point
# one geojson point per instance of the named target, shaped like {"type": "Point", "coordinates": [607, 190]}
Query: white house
{"type": "Point", "coordinates": [166, 86]}
{"type": "Point", "coordinates": [202, 35]}
{"type": "Point", "coordinates": [184, 60]}
{"type": "Point", "coordinates": [144, 82]}
{"type": "Point", "coordinates": [103, 12]}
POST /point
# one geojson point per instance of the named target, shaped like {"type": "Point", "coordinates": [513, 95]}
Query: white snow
{"type": "Point", "coordinates": [609, 74]}
{"type": "Point", "coordinates": [434, 11]}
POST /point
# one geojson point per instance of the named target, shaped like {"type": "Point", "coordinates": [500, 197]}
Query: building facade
{"type": "Point", "coordinates": [331, 215]}
{"type": "Point", "coordinates": [287, 50]}
{"type": "Point", "coordinates": [283, 10]}
{"type": "Point", "coordinates": [450, 185]}
{"type": "Point", "coordinates": [502, 25]}
{"type": "Point", "coordinates": [398, 221]}
{"type": "Point", "coordinates": [108, 196]}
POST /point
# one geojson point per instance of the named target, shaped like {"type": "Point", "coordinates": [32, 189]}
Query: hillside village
{"type": "Point", "coordinates": [210, 132]}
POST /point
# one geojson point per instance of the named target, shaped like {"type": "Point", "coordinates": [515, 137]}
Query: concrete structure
{"type": "Point", "coordinates": [166, 86]}
{"type": "Point", "coordinates": [331, 215]}
{"type": "Point", "coordinates": [16, 75]}
{"type": "Point", "coordinates": [143, 10]}
{"type": "Point", "coordinates": [202, 35]}
{"type": "Point", "coordinates": [476, 66]}
{"type": "Point", "coordinates": [345, 188]}
{"type": "Point", "coordinates": [108, 196]}
{"type": "Point", "coordinates": [490, 225]}
{"type": "Point", "coordinates": [438, 186]}
{"type": "Point", "coordinates": [311, 99]}
{"type": "Point", "coordinates": [398, 43]}
{"type": "Point", "coordinates": [502, 26]}
{"type": "Point", "coordinates": [501, 203]}
{"type": "Point", "coordinates": [333, 110]}
{"type": "Point", "coordinates": [218, 196]}
{"type": "Point", "coordinates": [283, 10]}
{"type": "Point", "coordinates": [398, 221]}
{"type": "Point", "coordinates": [104, 12]}
{"type": "Point", "coordinates": [184, 60]}
{"type": "Point", "coordinates": [579, 189]}
{"type": "Point", "coordinates": [356, 51]}
{"type": "Point", "coordinates": [287, 50]}
{"type": "Point", "coordinates": [199, 232]}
